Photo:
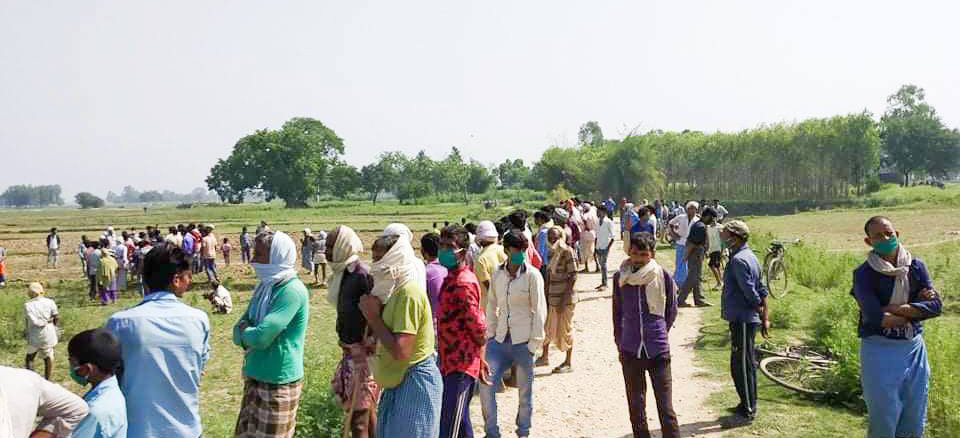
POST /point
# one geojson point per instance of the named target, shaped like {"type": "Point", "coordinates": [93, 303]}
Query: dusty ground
{"type": "Point", "coordinates": [591, 402]}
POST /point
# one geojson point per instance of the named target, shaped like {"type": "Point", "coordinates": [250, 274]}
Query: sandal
{"type": "Point", "coordinates": [563, 369]}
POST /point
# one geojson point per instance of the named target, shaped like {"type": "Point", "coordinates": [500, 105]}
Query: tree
{"type": "Point", "coordinates": [512, 173]}
{"type": "Point", "coordinates": [382, 175]}
{"type": "Point", "coordinates": [452, 174]}
{"type": "Point", "coordinates": [150, 196]}
{"type": "Point", "coordinates": [413, 181]}
{"type": "Point", "coordinates": [288, 163]}
{"type": "Point", "coordinates": [88, 200]}
{"type": "Point", "coordinates": [590, 134]}
{"type": "Point", "coordinates": [914, 137]}
{"type": "Point", "coordinates": [344, 179]}
{"type": "Point", "coordinates": [31, 196]}
{"type": "Point", "coordinates": [479, 178]}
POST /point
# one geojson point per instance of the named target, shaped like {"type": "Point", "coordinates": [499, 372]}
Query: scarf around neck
{"type": "Point", "coordinates": [283, 258]}
{"type": "Point", "coordinates": [651, 276]}
{"type": "Point", "coordinates": [346, 252]}
{"type": "Point", "coordinates": [900, 272]}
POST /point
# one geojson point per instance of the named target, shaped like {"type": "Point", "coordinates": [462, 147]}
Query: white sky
{"type": "Point", "coordinates": [95, 95]}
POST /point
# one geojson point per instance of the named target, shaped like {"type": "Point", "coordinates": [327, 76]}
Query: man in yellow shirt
{"type": "Point", "coordinates": [491, 256]}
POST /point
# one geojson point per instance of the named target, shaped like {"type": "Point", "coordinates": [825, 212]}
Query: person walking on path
{"type": "Point", "coordinates": [95, 359]}
{"type": "Point", "coordinates": [561, 301]}
{"type": "Point", "coordinates": [165, 345]}
{"type": "Point", "coordinates": [461, 329]}
{"type": "Point", "coordinates": [53, 248]}
{"type": "Point", "coordinates": [680, 229]}
{"type": "Point", "coordinates": [398, 312]}
{"type": "Point", "coordinates": [352, 381]}
{"type": "Point", "coordinates": [895, 294]}
{"type": "Point", "coordinates": [107, 273]}
{"type": "Point", "coordinates": [42, 318]}
{"type": "Point", "coordinates": [695, 249]}
{"type": "Point", "coordinates": [604, 243]}
{"type": "Point", "coordinates": [271, 333]}
{"type": "Point", "coordinates": [644, 310]}
{"type": "Point", "coordinates": [516, 314]}
{"type": "Point", "coordinates": [744, 307]}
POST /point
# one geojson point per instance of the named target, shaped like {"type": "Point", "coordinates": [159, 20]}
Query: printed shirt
{"type": "Point", "coordinates": [516, 304]}
{"type": "Point", "coordinates": [407, 311]}
{"type": "Point", "coordinates": [108, 412]}
{"type": "Point", "coordinates": [39, 312]}
{"type": "Point", "coordinates": [743, 287]}
{"type": "Point", "coordinates": [560, 292]}
{"type": "Point", "coordinates": [166, 345]}
{"type": "Point", "coordinates": [873, 291]}
{"type": "Point", "coordinates": [461, 325]}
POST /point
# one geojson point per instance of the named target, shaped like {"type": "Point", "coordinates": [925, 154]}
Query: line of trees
{"type": "Point", "coordinates": [820, 159]}
{"type": "Point", "coordinates": [31, 196]}
{"type": "Point", "coordinates": [130, 195]}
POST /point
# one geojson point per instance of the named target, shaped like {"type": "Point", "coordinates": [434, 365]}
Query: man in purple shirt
{"type": "Point", "coordinates": [644, 310]}
{"type": "Point", "coordinates": [429, 248]}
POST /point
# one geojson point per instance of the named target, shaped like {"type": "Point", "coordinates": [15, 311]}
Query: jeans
{"type": "Point", "coordinates": [210, 265]}
{"type": "Point", "coordinates": [680, 274]}
{"type": "Point", "coordinates": [743, 365]}
{"type": "Point", "coordinates": [602, 260]}
{"type": "Point", "coordinates": [634, 379]}
{"type": "Point", "coordinates": [500, 357]}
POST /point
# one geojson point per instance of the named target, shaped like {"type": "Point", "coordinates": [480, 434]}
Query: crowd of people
{"type": "Point", "coordinates": [420, 336]}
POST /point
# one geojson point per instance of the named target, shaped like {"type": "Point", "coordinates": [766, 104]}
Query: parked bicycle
{"type": "Point", "coordinates": [775, 268]}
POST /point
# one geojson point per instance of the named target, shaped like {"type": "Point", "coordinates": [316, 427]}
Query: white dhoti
{"type": "Point", "coordinates": [588, 241]}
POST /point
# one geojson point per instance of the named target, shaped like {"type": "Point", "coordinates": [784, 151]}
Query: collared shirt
{"type": "Point", "coordinates": [435, 275]}
{"type": "Point", "coordinates": [683, 227]}
{"type": "Point", "coordinates": [29, 396]}
{"type": "Point", "coordinates": [743, 287]}
{"type": "Point", "coordinates": [873, 291]}
{"type": "Point", "coordinates": [108, 412]}
{"type": "Point", "coordinates": [40, 312]}
{"type": "Point", "coordinates": [166, 345]}
{"type": "Point", "coordinates": [604, 233]}
{"type": "Point", "coordinates": [486, 264]}
{"type": "Point", "coordinates": [516, 305]}
{"type": "Point", "coordinates": [461, 325]}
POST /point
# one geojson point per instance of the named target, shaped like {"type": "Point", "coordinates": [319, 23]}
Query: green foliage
{"type": "Point", "coordinates": [873, 185]}
{"type": "Point", "coordinates": [88, 200]}
{"type": "Point", "coordinates": [915, 138]}
{"type": "Point", "coordinates": [32, 196]}
{"type": "Point", "coordinates": [590, 134]}
{"type": "Point", "coordinates": [289, 163]}
{"type": "Point", "coordinates": [343, 180]}
{"type": "Point", "coordinates": [512, 173]}
{"type": "Point", "coordinates": [558, 194]}
{"type": "Point", "coordinates": [382, 175]}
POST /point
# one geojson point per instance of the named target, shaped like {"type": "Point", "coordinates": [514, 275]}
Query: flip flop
{"type": "Point", "coordinates": [563, 369]}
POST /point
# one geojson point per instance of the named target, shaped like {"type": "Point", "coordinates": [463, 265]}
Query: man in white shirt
{"type": "Point", "coordinates": [680, 227]}
{"type": "Point", "coordinates": [604, 241]}
{"type": "Point", "coordinates": [41, 316]}
{"type": "Point", "coordinates": [721, 210]}
{"type": "Point", "coordinates": [588, 236]}
{"type": "Point", "coordinates": [26, 397]}
{"type": "Point", "coordinates": [220, 298]}
{"type": "Point", "coordinates": [53, 248]}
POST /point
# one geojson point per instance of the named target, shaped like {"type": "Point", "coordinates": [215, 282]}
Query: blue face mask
{"type": "Point", "coordinates": [448, 258]}
{"type": "Point", "coordinates": [517, 258]}
{"type": "Point", "coordinates": [887, 247]}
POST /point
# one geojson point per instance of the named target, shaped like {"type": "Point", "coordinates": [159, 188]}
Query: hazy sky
{"type": "Point", "coordinates": [95, 95]}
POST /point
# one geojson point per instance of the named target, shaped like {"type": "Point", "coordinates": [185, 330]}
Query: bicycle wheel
{"type": "Point", "coordinates": [803, 376]}
{"type": "Point", "coordinates": [777, 279]}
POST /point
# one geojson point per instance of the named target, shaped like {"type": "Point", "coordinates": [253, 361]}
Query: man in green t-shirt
{"type": "Point", "coordinates": [405, 364]}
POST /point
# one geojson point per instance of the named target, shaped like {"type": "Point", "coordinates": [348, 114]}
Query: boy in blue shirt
{"type": "Point", "coordinates": [94, 359]}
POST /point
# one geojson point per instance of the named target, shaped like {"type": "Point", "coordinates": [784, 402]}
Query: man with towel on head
{"type": "Point", "coordinates": [399, 315]}
{"type": "Point", "coordinates": [271, 332]}
{"type": "Point", "coordinates": [352, 381]}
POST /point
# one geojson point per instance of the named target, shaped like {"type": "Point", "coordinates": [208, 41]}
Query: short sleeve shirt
{"type": "Point", "coordinates": [406, 312]}
{"type": "Point", "coordinates": [40, 312]}
{"type": "Point", "coordinates": [489, 259]}
{"type": "Point", "coordinates": [698, 233]}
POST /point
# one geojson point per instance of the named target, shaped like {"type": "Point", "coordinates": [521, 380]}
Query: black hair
{"type": "Point", "coordinates": [874, 220]}
{"type": "Point", "coordinates": [434, 225]}
{"type": "Point", "coordinates": [99, 347]}
{"type": "Point", "coordinates": [540, 216]}
{"type": "Point", "coordinates": [430, 244]}
{"type": "Point", "coordinates": [643, 241]}
{"type": "Point", "coordinates": [384, 243]}
{"type": "Point", "coordinates": [446, 224]}
{"type": "Point", "coordinates": [471, 227]}
{"type": "Point", "coordinates": [499, 226]}
{"type": "Point", "coordinates": [244, 229]}
{"type": "Point", "coordinates": [161, 264]}
{"type": "Point", "coordinates": [709, 211]}
{"type": "Point", "coordinates": [518, 219]}
{"type": "Point", "coordinates": [515, 239]}
{"type": "Point", "coordinates": [602, 207]}
{"type": "Point", "coordinates": [458, 234]}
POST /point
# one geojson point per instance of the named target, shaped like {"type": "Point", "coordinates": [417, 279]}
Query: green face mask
{"type": "Point", "coordinates": [81, 380]}
{"type": "Point", "coordinates": [448, 258]}
{"type": "Point", "coordinates": [517, 258]}
{"type": "Point", "coordinates": [886, 247]}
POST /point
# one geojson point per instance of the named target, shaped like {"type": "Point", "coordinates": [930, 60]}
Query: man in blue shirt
{"type": "Point", "coordinates": [895, 295]}
{"type": "Point", "coordinates": [165, 347]}
{"type": "Point", "coordinates": [744, 305]}
{"type": "Point", "coordinates": [95, 357]}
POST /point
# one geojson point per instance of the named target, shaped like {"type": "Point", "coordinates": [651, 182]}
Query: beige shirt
{"type": "Point", "coordinates": [29, 396]}
{"type": "Point", "coordinates": [209, 248]}
{"type": "Point", "coordinates": [39, 313]}
{"type": "Point", "coordinates": [518, 306]}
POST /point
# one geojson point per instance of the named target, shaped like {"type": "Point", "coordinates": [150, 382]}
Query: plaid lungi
{"type": "Point", "coordinates": [268, 410]}
{"type": "Point", "coordinates": [353, 369]}
{"type": "Point", "coordinates": [412, 409]}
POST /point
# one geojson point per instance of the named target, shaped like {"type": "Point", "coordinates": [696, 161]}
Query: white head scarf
{"type": "Point", "coordinates": [283, 258]}
{"type": "Point", "coordinates": [419, 269]}
{"type": "Point", "coordinates": [346, 251]}
{"type": "Point", "coordinates": [397, 267]}
{"type": "Point", "coordinates": [397, 229]}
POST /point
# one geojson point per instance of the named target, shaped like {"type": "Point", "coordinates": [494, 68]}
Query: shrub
{"type": "Point", "coordinates": [873, 185]}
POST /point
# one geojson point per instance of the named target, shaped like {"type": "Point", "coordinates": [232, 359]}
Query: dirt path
{"type": "Point", "coordinates": [590, 402]}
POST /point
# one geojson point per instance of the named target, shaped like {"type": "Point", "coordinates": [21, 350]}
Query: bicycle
{"type": "Point", "coordinates": [775, 269]}
{"type": "Point", "coordinates": [798, 369]}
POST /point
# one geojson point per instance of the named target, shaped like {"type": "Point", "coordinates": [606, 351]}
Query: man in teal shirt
{"type": "Point", "coordinates": [272, 332]}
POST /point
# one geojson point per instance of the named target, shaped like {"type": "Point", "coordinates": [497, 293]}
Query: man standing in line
{"type": "Point", "coordinates": [604, 241]}
{"type": "Point", "coordinates": [461, 329]}
{"type": "Point", "coordinates": [271, 333]}
{"type": "Point", "coordinates": [540, 241]}
{"type": "Point", "coordinates": [561, 300]}
{"type": "Point", "coordinates": [744, 306]}
{"type": "Point", "coordinates": [165, 346]}
{"type": "Point", "coordinates": [680, 228]}
{"type": "Point", "coordinates": [93, 266]}
{"type": "Point", "coordinates": [696, 248]}
{"type": "Point", "coordinates": [436, 272]}
{"type": "Point", "coordinates": [588, 238]}
{"type": "Point", "coordinates": [644, 310]}
{"type": "Point", "coordinates": [53, 248]}
{"type": "Point", "coordinates": [895, 294]}
{"type": "Point", "coordinates": [42, 318]}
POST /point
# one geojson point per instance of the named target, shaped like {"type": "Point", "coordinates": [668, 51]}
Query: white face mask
{"type": "Point", "coordinates": [383, 284]}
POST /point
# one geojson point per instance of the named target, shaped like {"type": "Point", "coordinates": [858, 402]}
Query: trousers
{"type": "Point", "coordinates": [602, 255]}
{"type": "Point", "coordinates": [692, 282]}
{"type": "Point", "coordinates": [634, 379]}
{"type": "Point", "coordinates": [895, 376]}
{"type": "Point", "coordinates": [743, 365]}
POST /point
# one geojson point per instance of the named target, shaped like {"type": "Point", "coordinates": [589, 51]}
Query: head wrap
{"type": "Point", "coordinates": [346, 251]}
{"type": "Point", "coordinates": [486, 231]}
{"type": "Point", "coordinates": [419, 269]}
{"type": "Point", "coordinates": [36, 289]}
{"type": "Point", "coordinates": [397, 267]}
{"type": "Point", "coordinates": [693, 204]}
{"type": "Point", "coordinates": [396, 229]}
{"type": "Point", "coordinates": [283, 258]}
